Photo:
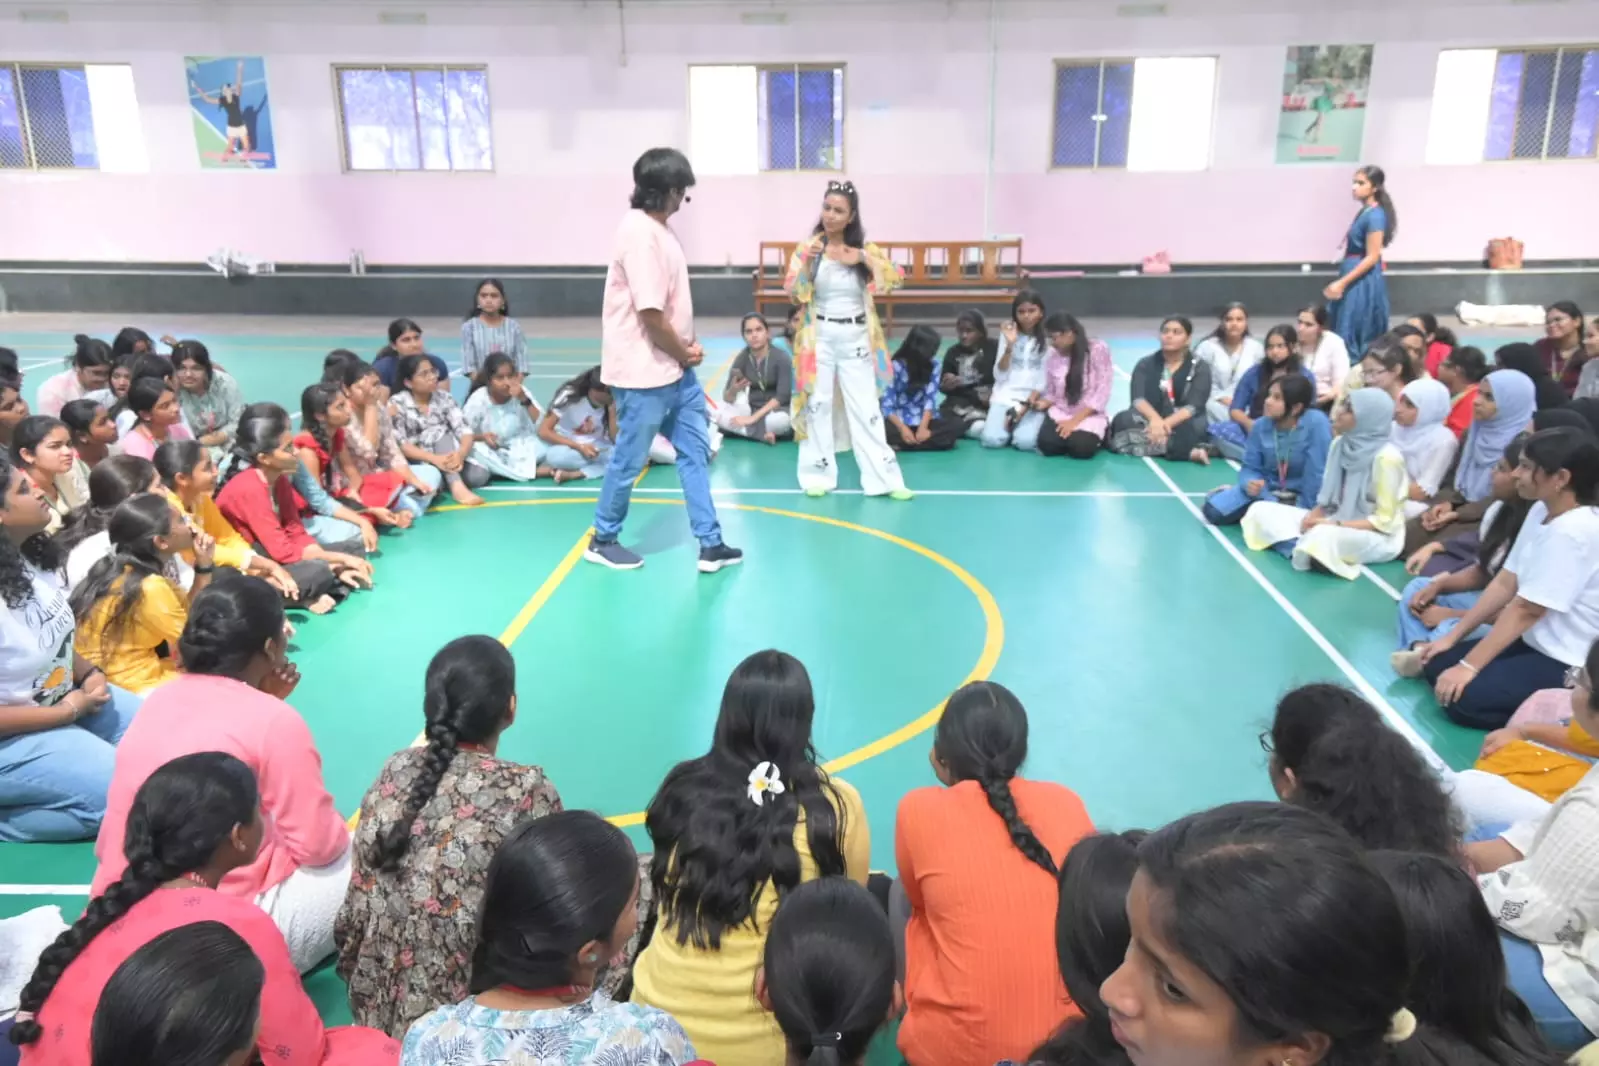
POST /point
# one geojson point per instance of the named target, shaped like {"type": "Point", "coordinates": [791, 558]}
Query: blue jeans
{"type": "Point", "coordinates": [333, 533]}
{"type": "Point", "coordinates": [1024, 436]}
{"type": "Point", "coordinates": [415, 502]}
{"type": "Point", "coordinates": [677, 412]}
{"type": "Point", "coordinates": [53, 783]}
{"type": "Point", "coordinates": [560, 457]}
{"type": "Point", "coordinates": [1411, 630]}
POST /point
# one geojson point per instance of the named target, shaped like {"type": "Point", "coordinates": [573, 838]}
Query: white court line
{"type": "Point", "coordinates": [1365, 571]}
{"type": "Point", "coordinates": [1366, 689]}
{"type": "Point", "coordinates": [595, 488]}
{"type": "Point", "coordinates": [44, 890]}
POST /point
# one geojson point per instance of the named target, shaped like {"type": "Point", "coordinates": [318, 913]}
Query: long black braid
{"type": "Point", "coordinates": [180, 816]}
{"type": "Point", "coordinates": [470, 685]}
{"type": "Point", "coordinates": [982, 737]}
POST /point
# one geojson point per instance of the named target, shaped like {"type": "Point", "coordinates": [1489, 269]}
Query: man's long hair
{"type": "Point", "coordinates": [657, 173]}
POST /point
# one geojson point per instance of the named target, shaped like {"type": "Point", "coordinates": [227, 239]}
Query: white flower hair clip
{"type": "Point", "coordinates": [765, 780]}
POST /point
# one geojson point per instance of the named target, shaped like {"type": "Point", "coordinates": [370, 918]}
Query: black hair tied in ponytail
{"type": "Point", "coordinates": [470, 685]}
{"type": "Point", "coordinates": [829, 967]}
{"type": "Point", "coordinates": [180, 816]}
{"type": "Point", "coordinates": [982, 737]}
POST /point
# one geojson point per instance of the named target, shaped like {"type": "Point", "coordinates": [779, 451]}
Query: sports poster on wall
{"type": "Point", "coordinates": [1323, 116]}
{"type": "Point", "coordinates": [232, 119]}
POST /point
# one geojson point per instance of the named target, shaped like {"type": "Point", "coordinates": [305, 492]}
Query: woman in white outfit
{"type": "Point", "coordinates": [1015, 406]}
{"type": "Point", "coordinates": [1427, 444]}
{"type": "Point", "coordinates": [1230, 351]}
{"type": "Point", "coordinates": [841, 363]}
{"type": "Point", "coordinates": [1324, 352]}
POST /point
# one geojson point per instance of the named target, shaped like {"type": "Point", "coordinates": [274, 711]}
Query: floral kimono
{"type": "Point", "coordinates": [799, 283]}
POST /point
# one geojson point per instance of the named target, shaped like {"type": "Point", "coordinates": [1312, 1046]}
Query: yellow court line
{"type": "Point", "coordinates": [993, 637]}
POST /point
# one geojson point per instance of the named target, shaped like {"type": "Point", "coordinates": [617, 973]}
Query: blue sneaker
{"type": "Point", "coordinates": [717, 556]}
{"type": "Point", "coordinates": [610, 553]}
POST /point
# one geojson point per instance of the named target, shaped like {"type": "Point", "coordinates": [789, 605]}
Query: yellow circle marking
{"type": "Point", "coordinates": [993, 636]}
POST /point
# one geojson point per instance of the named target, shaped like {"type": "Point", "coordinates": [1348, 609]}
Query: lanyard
{"type": "Point", "coordinates": [1278, 441]}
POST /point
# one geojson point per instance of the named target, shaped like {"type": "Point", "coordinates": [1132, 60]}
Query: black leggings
{"type": "Point", "coordinates": [945, 433]}
{"type": "Point", "coordinates": [1075, 445]}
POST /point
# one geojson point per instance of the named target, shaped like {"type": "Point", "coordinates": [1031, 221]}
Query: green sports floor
{"type": "Point", "coordinates": [1148, 647]}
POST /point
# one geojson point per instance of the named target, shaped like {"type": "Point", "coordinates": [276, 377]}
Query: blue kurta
{"type": "Point", "coordinates": [1362, 315]}
{"type": "Point", "coordinates": [1307, 462]}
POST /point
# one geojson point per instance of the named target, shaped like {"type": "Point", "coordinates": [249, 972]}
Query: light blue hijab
{"type": "Point", "coordinates": [1348, 492]}
{"type": "Point", "coordinates": [1517, 399]}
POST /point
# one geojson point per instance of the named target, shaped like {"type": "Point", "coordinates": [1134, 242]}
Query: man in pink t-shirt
{"type": "Point", "coordinates": [648, 353]}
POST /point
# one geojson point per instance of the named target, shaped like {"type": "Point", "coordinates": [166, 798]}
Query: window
{"type": "Point", "coordinates": [1140, 114]}
{"type": "Point", "coordinates": [415, 118]}
{"type": "Point", "coordinates": [1093, 112]}
{"type": "Point", "coordinates": [70, 117]}
{"type": "Point", "coordinates": [1529, 103]}
{"type": "Point", "coordinates": [746, 119]}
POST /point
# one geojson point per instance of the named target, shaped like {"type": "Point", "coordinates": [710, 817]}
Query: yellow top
{"type": "Point", "coordinates": [132, 663]}
{"type": "Point", "coordinates": [712, 993]}
{"type": "Point", "coordinates": [231, 549]}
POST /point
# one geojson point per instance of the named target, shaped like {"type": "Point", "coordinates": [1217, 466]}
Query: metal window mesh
{"type": "Point", "coordinates": [46, 120]}
{"type": "Point", "coordinates": [802, 118]}
{"type": "Point", "coordinates": [1093, 114]}
{"type": "Point", "coordinates": [1544, 105]}
{"type": "Point", "coordinates": [1076, 133]}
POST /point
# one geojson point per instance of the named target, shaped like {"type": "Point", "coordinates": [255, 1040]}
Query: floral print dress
{"type": "Point", "coordinates": [595, 1032]}
{"type": "Point", "coordinates": [405, 937]}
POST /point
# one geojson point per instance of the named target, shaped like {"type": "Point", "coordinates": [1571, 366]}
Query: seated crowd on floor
{"type": "Point", "coordinates": [155, 528]}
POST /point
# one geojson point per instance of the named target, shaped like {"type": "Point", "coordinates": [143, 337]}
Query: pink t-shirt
{"type": "Point", "coordinates": [136, 442]}
{"type": "Point", "coordinates": [291, 1030]}
{"type": "Point", "coordinates": [648, 273]}
{"type": "Point", "coordinates": [198, 712]}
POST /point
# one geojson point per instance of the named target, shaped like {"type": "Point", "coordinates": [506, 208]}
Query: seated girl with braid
{"type": "Point", "coordinates": [196, 820]}
{"type": "Point", "coordinates": [977, 892]}
{"type": "Point", "coordinates": [427, 831]}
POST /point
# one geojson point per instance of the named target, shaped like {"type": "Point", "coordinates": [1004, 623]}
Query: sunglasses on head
{"type": "Point", "coordinates": [845, 187]}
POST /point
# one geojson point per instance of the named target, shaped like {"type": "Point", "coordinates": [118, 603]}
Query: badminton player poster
{"type": "Point", "coordinates": [232, 121]}
{"type": "Point", "coordinates": [1324, 104]}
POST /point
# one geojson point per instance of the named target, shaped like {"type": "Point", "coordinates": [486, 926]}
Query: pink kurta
{"type": "Point", "coordinates": [1097, 378]}
{"type": "Point", "coordinates": [197, 712]}
{"type": "Point", "coordinates": [291, 1030]}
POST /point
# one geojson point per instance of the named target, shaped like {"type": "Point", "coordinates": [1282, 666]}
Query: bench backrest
{"type": "Point", "coordinates": [926, 264]}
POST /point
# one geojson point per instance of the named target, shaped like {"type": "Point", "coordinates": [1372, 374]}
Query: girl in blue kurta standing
{"type": "Point", "coordinates": [1358, 300]}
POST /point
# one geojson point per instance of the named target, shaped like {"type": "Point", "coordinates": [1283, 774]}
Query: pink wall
{"type": "Point", "coordinates": [571, 113]}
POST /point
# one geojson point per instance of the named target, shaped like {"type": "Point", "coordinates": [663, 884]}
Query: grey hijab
{"type": "Point", "coordinates": [1348, 492]}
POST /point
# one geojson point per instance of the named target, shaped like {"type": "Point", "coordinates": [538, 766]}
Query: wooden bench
{"type": "Point", "coordinates": [936, 272]}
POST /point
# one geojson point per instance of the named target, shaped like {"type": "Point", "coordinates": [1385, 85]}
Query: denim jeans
{"type": "Point", "coordinates": [1412, 632]}
{"type": "Point", "coordinates": [415, 502]}
{"type": "Point", "coordinates": [560, 457]}
{"type": "Point", "coordinates": [1024, 436]}
{"type": "Point", "coordinates": [677, 412]}
{"type": "Point", "coordinates": [334, 534]}
{"type": "Point", "coordinates": [53, 783]}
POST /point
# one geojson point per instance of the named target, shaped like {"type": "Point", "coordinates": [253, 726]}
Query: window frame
{"type": "Point", "coordinates": [841, 70]}
{"type": "Point", "coordinates": [444, 69]}
{"type": "Point", "coordinates": [1559, 51]}
{"type": "Point", "coordinates": [13, 69]}
{"type": "Point", "coordinates": [1099, 124]}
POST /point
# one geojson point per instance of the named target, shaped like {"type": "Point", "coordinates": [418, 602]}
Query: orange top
{"type": "Point", "coordinates": [982, 983]}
